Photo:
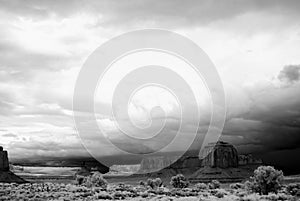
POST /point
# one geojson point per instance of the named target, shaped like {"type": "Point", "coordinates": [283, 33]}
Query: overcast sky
{"type": "Point", "coordinates": [255, 46]}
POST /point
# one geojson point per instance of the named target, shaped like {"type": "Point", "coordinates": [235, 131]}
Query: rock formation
{"type": "Point", "coordinates": [4, 165]}
{"type": "Point", "coordinates": [248, 160]}
{"type": "Point", "coordinates": [221, 161]}
{"type": "Point", "coordinates": [7, 176]}
{"type": "Point", "coordinates": [96, 166]}
{"type": "Point", "coordinates": [220, 154]}
{"type": "Point", "coordinates": [165, 166]}
{"type": "Point", "coordinates": [153, 164]}
{"type": "Point", "coordinates": [218, 160]}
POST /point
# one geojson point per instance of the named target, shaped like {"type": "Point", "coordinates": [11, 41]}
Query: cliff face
{"type": "Point", "coordinates": [214, 155]}
{"type": "Point", "coordinates": [187, 162]}
{"type": "Point", "coordinates": [184, 164]}
{"type": "Point", "coordinates": [7, 176]}
{"type": "Point", "coordinates": [220, 154]}
{"type": "Point", "coordinates": [4, 164]}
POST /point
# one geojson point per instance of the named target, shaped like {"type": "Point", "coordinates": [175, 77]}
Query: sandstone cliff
{"type": "Point", "coordinates": [220, 154]}
{"type": "Point", "coordinates": [4, 165]}
{"type": "Point", "coordinates": [218, 160]}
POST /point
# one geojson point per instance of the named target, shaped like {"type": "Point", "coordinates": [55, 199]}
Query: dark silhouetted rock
{"type": "Point", "coordinates": [248, 160]}
{"type": "Point", "coordinates": [4, 165]}
{"type": "Point", "coordinates": [220, 154]}
{"type": "Point", "coordinates": [220, 162]}
{"type": "Point", "coordinates": [7, 176]}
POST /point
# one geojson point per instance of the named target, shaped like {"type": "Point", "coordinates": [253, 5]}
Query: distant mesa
{"type": "Point", "coordinates": [248, 159]}
{"type": "Point", "coordinates": [88, 166]}
{"type": "Point", "coordinates": [219, 160]}
{"type": "Point", "coordinates": [6, 176]}
{"type": "Point", "coordinates": [86, 163]}
{"type": "Point", "coordinates": [162, 166]}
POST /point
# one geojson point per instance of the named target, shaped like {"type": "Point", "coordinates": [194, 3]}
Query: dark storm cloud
{"type": "Point", "coordinates": [290, 73]}
{"type": "Point", "coordinates": [171, 12]}
{"type": "Point", "coordinates": [272, 120]}
{"type": "Point", "coordinates": [268, 136]}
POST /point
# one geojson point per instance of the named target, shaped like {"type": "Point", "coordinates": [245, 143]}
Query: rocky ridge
{"type": "Point", "coordinates": [218, 160]}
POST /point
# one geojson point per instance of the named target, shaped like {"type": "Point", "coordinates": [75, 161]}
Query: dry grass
{"type": "Point", "coordinates": [55, 191]}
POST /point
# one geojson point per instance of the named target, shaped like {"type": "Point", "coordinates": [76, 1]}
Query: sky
{"type": "Point", "coordinates": [255, 46]}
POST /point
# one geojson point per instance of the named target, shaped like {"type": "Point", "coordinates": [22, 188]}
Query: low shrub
{"type": "Point", "coordinates": [154, 183]}
{"type": "Point", "coordinates": [270, 196]}
{"type": "Point", "coordinates": [293, 189]}
{"type": "Point", "coordinates": [98, 180]}
{"type": "Point", "coordinates": [79, 179]}
{"type": "Point", "coordinates": [266, 179]}
{"type": "Point", "coordinates": [240, 193]}
{"type": "Point", "coordinates": [237, 186]}
{"type": "Point", "coordinates": [95, 180]}
{"type": "Point", "coordinates": [144, 194]}
{"type": "Point", "coordinates": [250, 186]}
{"type": "Point", "coordinates": [251, 197]}
{"type": "Point", "coordinates": [142, 183]}
{"type": "Point", "coordinates": [124, 187]}
{"type": "Point", "coordinates": [180, 193]}
{"type": "Point", "coordinates": [158, 182]}
{"type": "Point", "coordinates": [118, 195]}
{"type": "Point", "coordinates": [162, 191]}
{"type": "Point", "coordinates": [179, 181]}
{"type": "Point", "coordinates": [190, 192]}
{"type": "Point", "coordinates": [104, 196]}
{"type": "Point", "coordinates": [220, 193]}
{"type": "Point", "coordinates": [214, 184]}
{"type": "Point", "coordinates": [283, 196]}
{"type": "Point", "coordinates": [201, 186]}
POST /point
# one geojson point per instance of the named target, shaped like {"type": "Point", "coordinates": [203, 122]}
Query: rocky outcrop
{"type": "Point", "coordinates": [4, 165]}
{"type": "Point", "coordinates": [166, 167]}
{"type": "Point", "coordinates": [181, 165]}
{"type": "Point", "coordinates": [153, 164]}
{"type": "Point", "coordinates": [220, 154]}
{"type": "Point", "coordinates": [249, 160]}
{"type": "Point", "coordinates": [187, 162]}
{"type": "Point", "coordinates": [7, 176]}
{"type": "Point", "coordinates": [218, 160]}
{"type": "Point", "coordinates": [214, 155]}
{"type": "Point", "coordinates": [221, 161]}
